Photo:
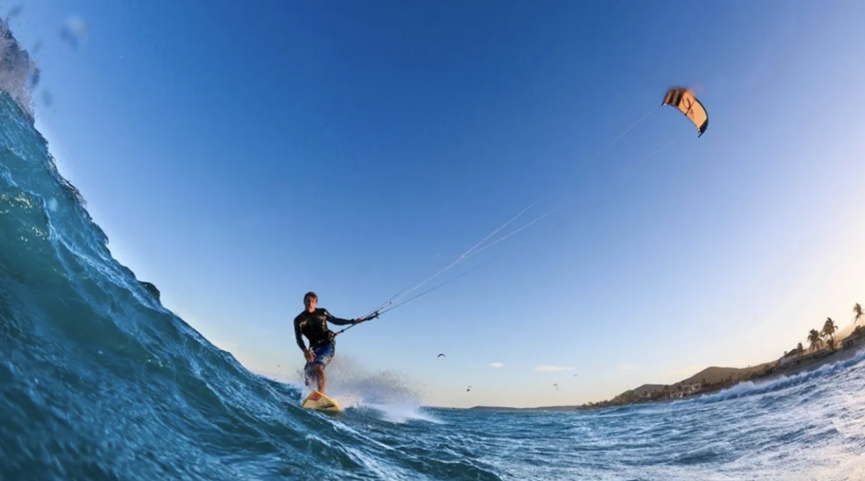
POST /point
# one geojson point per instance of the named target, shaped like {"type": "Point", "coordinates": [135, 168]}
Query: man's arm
{"type": "Point", "coordinates": [298, 334]}
{"type": "Point", "coordinates": [339, 322]}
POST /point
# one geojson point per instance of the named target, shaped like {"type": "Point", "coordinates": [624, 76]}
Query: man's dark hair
{"type": "Point", "coordinates": [308, 295]}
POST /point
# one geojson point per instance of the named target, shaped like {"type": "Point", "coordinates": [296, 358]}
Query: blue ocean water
{"type": "Point", "coordinates": [98, 381]}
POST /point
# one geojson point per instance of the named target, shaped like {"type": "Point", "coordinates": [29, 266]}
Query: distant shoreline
{"type": "Point", "coordinates": [837, 356]}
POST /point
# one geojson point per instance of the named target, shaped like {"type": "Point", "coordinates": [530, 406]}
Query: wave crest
{"type": "Point", "coordinates": [18, 72]}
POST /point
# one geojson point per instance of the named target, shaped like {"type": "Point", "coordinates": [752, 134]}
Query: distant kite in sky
{"type": "Point", "coordinates": [684, 100]}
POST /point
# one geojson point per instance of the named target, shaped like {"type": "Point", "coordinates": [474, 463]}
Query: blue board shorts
{"type": "Point", "coordinates": [323, 355]}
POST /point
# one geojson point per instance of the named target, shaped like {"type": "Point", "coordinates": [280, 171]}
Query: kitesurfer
{"type": "Point", "coordinates": [312, 323]}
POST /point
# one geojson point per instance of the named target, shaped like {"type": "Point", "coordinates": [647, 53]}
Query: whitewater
{"type": "Point", "coordinates": [99, 381]}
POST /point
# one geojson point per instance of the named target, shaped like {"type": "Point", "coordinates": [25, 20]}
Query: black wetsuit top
{"type": "Point", "coordinates": [313, 325]}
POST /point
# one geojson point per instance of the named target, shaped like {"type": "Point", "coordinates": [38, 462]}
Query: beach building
{"type": "Point", "coordinates": [789, 361]}
{"type": "Point", "coordinates": [853, 342]}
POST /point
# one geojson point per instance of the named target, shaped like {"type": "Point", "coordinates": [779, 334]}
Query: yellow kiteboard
{"type": "Point", "coordinates": [320, 402]}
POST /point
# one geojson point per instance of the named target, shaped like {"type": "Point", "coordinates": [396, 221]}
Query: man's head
{"type": "Point", "coordinates": [310, 300]}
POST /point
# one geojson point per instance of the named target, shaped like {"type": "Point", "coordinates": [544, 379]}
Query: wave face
{"type": "Point", "coordinates": [99, 381]}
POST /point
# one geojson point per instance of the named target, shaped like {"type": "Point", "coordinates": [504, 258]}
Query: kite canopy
{"type": "Point", "coordinates": [440, 356]}
{"type": "Point", "coordinates": [684, 100]}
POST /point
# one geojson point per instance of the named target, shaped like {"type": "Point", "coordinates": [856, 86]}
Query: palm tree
{"type": "Point", "coordinates": [829, 329]}
{"type": "Point", "coordinates": [815, 340]}
{"type": "Point", "coordinates": [857, 309]}
{"type": "Point", "coordinates": [799, 349]}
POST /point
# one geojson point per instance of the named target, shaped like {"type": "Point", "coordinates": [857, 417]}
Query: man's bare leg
{"type": "Point", "coordinates": [322, 382]}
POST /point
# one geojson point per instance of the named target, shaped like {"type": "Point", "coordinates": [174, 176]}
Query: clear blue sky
{"type": "Point", "coordinates": [238, 157]}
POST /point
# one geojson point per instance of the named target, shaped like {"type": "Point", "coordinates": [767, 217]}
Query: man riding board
{"type": "Point", "coordinates": [312, 323]}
